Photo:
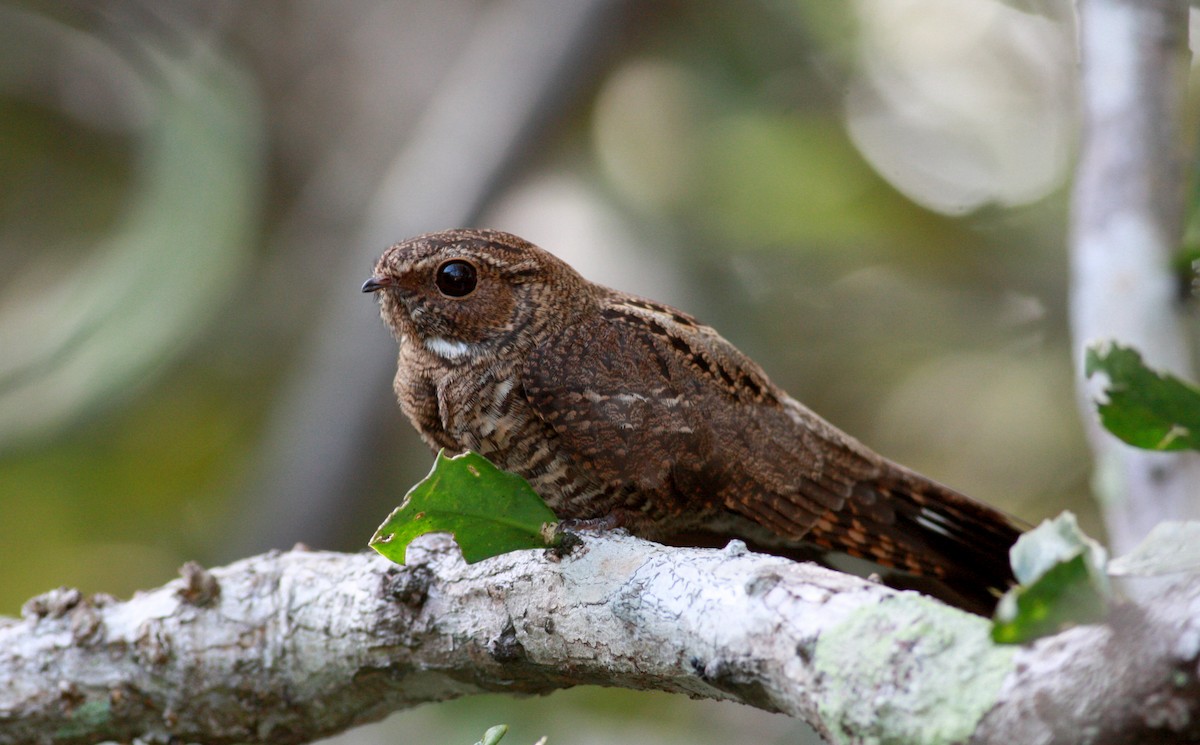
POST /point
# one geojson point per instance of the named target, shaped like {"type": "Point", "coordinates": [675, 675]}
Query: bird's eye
{"type": "Point", "coordinates": [456, 278]}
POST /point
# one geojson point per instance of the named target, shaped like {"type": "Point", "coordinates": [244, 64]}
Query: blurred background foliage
{"type": "Point", "coordinates": [867, 197]}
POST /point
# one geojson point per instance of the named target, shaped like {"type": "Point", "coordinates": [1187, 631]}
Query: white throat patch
{"type": "Point", "coordinates": [450, 350]}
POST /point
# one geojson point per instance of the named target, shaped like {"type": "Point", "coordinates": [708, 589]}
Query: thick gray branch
{"type": "Point", "coordinates": [1126, 223]}
{"type": "Point", "coordinates": [289, 647]}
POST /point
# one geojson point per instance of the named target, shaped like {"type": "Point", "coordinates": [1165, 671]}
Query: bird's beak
{"type": "Point", "coordinates": [375, 284]}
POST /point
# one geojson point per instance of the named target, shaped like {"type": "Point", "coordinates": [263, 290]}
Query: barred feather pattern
{"type": "Point", "coordinates": [619, 408]}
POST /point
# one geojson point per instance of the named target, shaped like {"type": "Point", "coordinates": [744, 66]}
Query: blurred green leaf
{"type": "Point", "coordinates": [785, 179]}
{"type": "Point", "coordinates": [488, 511]}
{"type": "Point", "coordinates": [1063, 582]}
{"type": "Point", "coordinates": [1145, 408]}
{"type": "Point", "coordinates": [1171, 546]}
{"type": "Point", "coordinates": [494, 735]}
{"type": "Point", "coordinates": [1063, 597]}
{"type": "Point", "coordinates": [1186, 267]}
{"type": "Point", "coordinates": [1051, 543]}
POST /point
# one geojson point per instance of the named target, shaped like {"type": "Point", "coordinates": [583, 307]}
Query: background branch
{"type": "Point", "coordinates": [1126, 224]}
{"type": "Point", "coordinates": [290, 647]}
{"type": "Point", "coordinates": [506, 91]}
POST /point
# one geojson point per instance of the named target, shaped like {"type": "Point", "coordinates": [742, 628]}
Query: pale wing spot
{"type": "Point", "coordinates": [933, 521]}
{"type": "Point", "coordinates": [503, 388]}
{"type": "Point", "coordinates": [682, 430]}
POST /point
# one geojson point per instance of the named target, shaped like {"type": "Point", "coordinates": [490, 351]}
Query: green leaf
{"type": "Point", "coordinates": [1145, 408]}
{"type": "Point", "coordinates": [493, 735]}
{"type": "Point", "coordinates": [1062, 597]}
{"type": "Point", "coordinates": [1063, 583]}
{"type": "Point", "coordinates": [1186, 267]}
{"type": "Point", "coordinates": [1171, 547]}
{"type": "Point", "coordinates": [488, 511]}
{"type": "Point", "coordinates": [1054, 542]}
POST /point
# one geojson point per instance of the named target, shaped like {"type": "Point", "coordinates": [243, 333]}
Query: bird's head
{"type": "Point", "coordinates": [464, 294]}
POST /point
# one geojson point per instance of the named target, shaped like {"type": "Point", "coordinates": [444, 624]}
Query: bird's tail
{"type": "Point", "coordinates": [945, 542]}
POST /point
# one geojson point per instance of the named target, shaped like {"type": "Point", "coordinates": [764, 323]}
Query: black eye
{"type": "Point", "coordinates": [456, 278]}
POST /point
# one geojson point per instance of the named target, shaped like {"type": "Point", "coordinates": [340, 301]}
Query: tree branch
{"type": "Point", "coordinates": [290, 647]}
{"type": "Point", "coordinates": [1126, 223]}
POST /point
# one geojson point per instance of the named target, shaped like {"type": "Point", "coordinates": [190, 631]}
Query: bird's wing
{"type": "Point", "coordinates": [668, 406]}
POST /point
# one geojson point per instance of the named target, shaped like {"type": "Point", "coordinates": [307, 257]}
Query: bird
{"type": "Point", "coordinates": [624, 412]}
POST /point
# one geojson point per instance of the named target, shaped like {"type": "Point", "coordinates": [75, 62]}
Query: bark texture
{"type": "Point", "coordinates": [290, 647]}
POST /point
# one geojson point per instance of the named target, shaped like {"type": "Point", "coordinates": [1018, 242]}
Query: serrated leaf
{"type": "Point", "coordinates": [1145, 408]}
{"type": "Point", "coordinates": [1063, 582]}
{"type": "Point", "coordinates": [1171, 546]}
{"type": "Point", "coordinates": [488, 511]}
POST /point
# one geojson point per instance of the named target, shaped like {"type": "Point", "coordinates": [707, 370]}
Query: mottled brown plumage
{"type": "Point", "coordinates": [620, 408]}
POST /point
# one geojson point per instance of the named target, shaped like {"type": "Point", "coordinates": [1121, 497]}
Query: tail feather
{"type": "Point", "coordinates": [933, 532]}
{"type": "Point", "coordinates": [941, 542]}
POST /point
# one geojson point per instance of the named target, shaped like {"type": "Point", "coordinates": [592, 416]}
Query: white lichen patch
{"type": "Point", "coordinates": [936, 668]}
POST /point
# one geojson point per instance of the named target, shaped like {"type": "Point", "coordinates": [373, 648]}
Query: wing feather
{"type": "Point", "coordinates": [682, 413]}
